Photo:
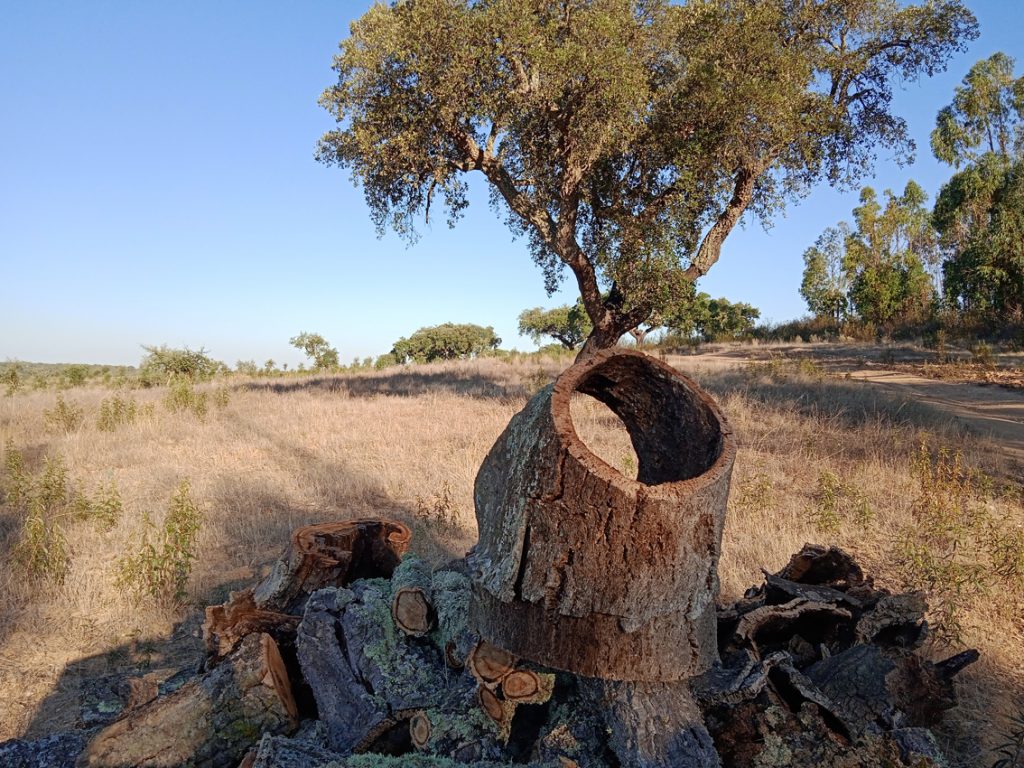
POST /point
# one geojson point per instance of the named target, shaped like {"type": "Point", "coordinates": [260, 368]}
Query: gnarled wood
{"type": "Point", "coordinates": [227, 624]}
{"type": "Point", "coordinates": [211, 721]}
{"type": "Point", "coordinates": [331, 555]}
{"type": "Point", "coordinates": [583, 569]}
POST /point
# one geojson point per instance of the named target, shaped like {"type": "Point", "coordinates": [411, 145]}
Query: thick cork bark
{"type": "Point", "coordinates": [581, 568]}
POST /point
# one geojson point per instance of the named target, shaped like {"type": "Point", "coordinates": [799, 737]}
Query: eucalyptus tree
{"type": "Point", "coordinates": [979, 211]}
{"type": "Point", "coordinates": [825, 283]}
{"type": "Point", "coordinates": [624, 139]}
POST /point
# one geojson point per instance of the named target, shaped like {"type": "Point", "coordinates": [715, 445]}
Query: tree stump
{"type": "Point", "coordinates": [330, 555]}
{"type": "Point", "coordinates": [583, 569]}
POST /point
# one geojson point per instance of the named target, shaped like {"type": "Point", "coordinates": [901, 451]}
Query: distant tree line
{"type": "Point", "coordinates": [901, 265]}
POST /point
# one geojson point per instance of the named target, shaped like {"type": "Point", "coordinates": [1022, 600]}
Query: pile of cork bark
{"type": "Point", "coordinates": [351, 654]}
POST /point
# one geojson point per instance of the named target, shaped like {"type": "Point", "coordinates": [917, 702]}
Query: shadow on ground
{"type": "Point", "coordinates": [401, 384]}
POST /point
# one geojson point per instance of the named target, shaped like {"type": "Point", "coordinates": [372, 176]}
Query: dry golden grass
{"type": "Point", "coordinates": [406, 443]}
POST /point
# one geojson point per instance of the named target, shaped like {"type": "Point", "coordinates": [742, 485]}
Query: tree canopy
{"type": "Point", "coordinates": [979, 212]}
{"type": "Point", "coordinates": [317, 349]}
{"type": "Point", "coordinates": [624, 138]}
{"type": "Point", "coordinates": [568, 325]}
{"type": "Point", "coordinates": [447, 341]}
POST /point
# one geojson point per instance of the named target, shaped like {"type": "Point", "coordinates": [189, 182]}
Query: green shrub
{"type": "Point", "coordinates": [15, 483]}
{"type": "Point", "coordinates": [221, 397]}
{"type": "Point", "coordinates": [162, 566]}
{"type": "Point", "coordinates": [1011, 751]}
{"type": "Point", "coordinates": [836, 500]}
{"type": "Point", "coordinates": [11, 379]}
{"type": "Point", "coordinates": [163, 365]}
{"type": "Point", "coordinates": [182, 396]}
{"type": "Point", "coordinates": [104, 508]}
{"type": "Point", "coordinates": [116, 411]}
{"type": "Point", "coordinates": [64, 416]}
{"type": "Point", "coordinates": [75, 375]}
{"type": "Point", "coordinates": [43, 548]}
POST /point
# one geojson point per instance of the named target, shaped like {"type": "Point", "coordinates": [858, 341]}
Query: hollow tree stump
{"type": "Point", "coordinates": [583, 569]}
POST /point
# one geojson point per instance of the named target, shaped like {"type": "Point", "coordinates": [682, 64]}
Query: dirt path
{"type": "Point", "coordinates": [992, 411]}
{"type": "Point", "coordinates": [987, 410]}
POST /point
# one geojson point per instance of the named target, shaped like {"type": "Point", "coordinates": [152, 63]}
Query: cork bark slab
{"type": "Point", "coordinates": [581, 568]}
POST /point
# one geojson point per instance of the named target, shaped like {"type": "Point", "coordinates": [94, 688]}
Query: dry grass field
{"type": "Point", "coordinates": [821, 458]}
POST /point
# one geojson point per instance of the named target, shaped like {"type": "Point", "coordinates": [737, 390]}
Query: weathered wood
{"type": "Point", "coordinates": [450, 592]}
{"type": "Point", "coordinates": [581, 568]}
{"type": "Point", "coordinates": [653, 725]}
{"type": "Point", "coordinates": [279, 752]}
{"type": "Point", "coordinates": [411, 607]}
{"type": "Point", "coordinates": [895, 620]}
{"type": "Point", "coordinates": [227, 624]}
{"type": "Point", "coordinates": [769, 626]}
{"type": "Point", "coordinates": [827, 566]}
{"type": "Point", "coordinates": [209, 722]}
{"type": "Point", "coordinates": [331, 555]}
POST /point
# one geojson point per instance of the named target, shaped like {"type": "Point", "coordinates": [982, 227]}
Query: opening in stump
{"type": "Point", "coordinates": [581, 568]}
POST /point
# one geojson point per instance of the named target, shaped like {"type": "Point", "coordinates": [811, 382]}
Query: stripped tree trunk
{"type": "Point", "coordinates": [583, 569]}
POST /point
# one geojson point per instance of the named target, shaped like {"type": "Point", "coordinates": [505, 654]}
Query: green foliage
{"type": "Point", "coordinates": [16, 483]}
{"type": "Point", "coordinates": [569, 325]}
{"type": "Point", "coordinates": [163, 564]}
{"type": "Point", "coordinates": [624, 139]}
{"type": "Point", "coordinates": [42, 549]}
{"type": "Point", "coordinates": [221, 397]}
{"type": "Point", "coordinates": [756, 494]}
{"type": "Point", "coordinates": [985, 116]}
{"type": "Point", "coordinates": [183, 397]}
{"type": "Point", "coordinates": [104, 508]}
{"type": "Point", "coordinates": [64, 416]}
{"type": "Point", "coordinates": [316, 348]}
{"type": "Point", "coordinates": [825, 283]}
{"type": "Point", "coordinates": [836, 500]}
{"type": "Point", "coordinates": [713, 319]}
{"type": "Point", "coordinates": [980, 210]}
{"type": "Point", "coordinates": [11, 379]}
{"type": "Point", "coordinates": [943, 550]}
{"type": "Point", "coordinates": [247, 367]}
{"type": "Point", "coordinates": [448, 341]}
{"type": "Point", "coordinates": [75, 375]}
{"type": "Point", "coordinates": [163, 365]}
{"type": "Point", "coordinates": [116, 411]}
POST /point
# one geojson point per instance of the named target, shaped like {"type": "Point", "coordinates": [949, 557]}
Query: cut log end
{"type": "Point", "coordinates": [412, 611]}
{"type": "Point", "coordinates": [489, 663]}
{"type": "Point", "coordinates": [451, 656]}
{"type": "Point", "coordinates": [419, 729]}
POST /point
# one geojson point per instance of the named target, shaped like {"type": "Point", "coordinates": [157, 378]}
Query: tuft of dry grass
{"type": "Point", "coordinates": [407, 443]}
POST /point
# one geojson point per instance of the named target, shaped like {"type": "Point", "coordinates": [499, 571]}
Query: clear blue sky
{"type": "Point", "coordinates": [157, 185]}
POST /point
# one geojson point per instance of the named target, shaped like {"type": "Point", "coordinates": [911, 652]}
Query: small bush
{"type": "Point", "coordinates": [836, 500]}
{"type": "Point", "coordinates": [11, 379]}
{"type": "Point", "coordinates": [1011, 751]}
{"type": "Point", "coordinates": [116, 411]}
{"type": "Point", "coordinates": [756, 494]}
{"type": "Point", "coordinates": [64, 416]}
{"type": "Point", "coordinates": [182, 396]}
{"type": "Point", "coordinates": [440, 508]}
{"type": "Point", "coordinates": [221, 397]}
{"type": "Point", "coordinates": [162, 567]}
{"type": "Point", "coordinates": [43, 548]}
{"type": "Point", "coordinates": [15, 483]}
{"type": "Point", "coordinates": [104, 508]}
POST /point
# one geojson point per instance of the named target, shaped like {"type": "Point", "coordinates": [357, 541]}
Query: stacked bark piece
{"type": "Point", "coordinates": [818, 668]}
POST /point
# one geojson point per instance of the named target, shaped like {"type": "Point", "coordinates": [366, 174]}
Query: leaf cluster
{"type": "Point", "coordinates": [448, 341]}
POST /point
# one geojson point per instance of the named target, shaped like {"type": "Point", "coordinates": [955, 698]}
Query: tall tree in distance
{"type": "Point", "coordinates": [624, 138]}
{"type": "Point", "coordinates": [825, 282]}
{"type": "Point", "coordinates": [568, 325]}
{"type": "Point", "coordinates": [317, 349]}
{"type": "Point", "coordinates": [979, 211]}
